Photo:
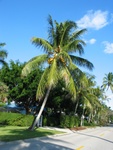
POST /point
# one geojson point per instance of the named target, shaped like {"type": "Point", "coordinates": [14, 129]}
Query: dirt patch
{"type": "Point", "coordinates": [78, 128]}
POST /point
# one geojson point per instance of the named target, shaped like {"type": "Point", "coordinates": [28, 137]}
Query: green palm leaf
{"type": "Point", "coordinates": [82, 62]}
{"type": "Point", "coordinates": [34, 63]}
{"type": "Point", "coordinates": [43, 44]}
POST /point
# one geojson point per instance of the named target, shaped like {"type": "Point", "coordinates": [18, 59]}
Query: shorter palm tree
{"type": "Point", "coordinates": [3, 92]}
{"type": "Point", "coordinates": [3, 54]}
{"type": "Point", "coordinates": [108, 81]}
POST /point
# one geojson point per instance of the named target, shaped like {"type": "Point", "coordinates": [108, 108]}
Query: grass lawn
{"type": "Point", "coordinates": [11, 133]}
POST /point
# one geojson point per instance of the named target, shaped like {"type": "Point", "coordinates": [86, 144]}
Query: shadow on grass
{"type": "Point", "coordinates": [28, 140]}
{"type": "Point", "coordinates": [20, 133]}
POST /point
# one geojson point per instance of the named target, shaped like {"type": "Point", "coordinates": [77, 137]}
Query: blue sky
{"type": "Point", "coordinates": [23, 19]}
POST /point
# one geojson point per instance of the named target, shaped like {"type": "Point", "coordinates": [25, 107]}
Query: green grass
{"type": "Point", "coordinates": [12, 133]}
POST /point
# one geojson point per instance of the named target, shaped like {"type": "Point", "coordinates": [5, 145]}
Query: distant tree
{"type": "Point", "coordinates": [27, 91]}
{"type": "Point", "coordinates": [108, 81]}
{"type": "Point", "coordinates": [59, 100]}
{"type": "Point", "coordinates": [3, 54]}
{"type": "Point", "coordinates": [3, 92]}
{"type": "Point", "coordinates": [3, 87]}
{"type": "Point", "coordinates": [21, 90]}
{"type": "Point", "coordinates": [10, 75]}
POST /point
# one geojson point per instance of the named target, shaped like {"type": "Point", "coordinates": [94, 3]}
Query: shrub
{"type": "Point", "coordinates": [69, 121]}
{"type": "Point", "coordinates": [2, 104]}
{"type": "Point", "coordinates": [15, 119]}
{"type": "Point", "coordinates": [44, 121]}
{"type": "Point", "coordinates": [51, 120]}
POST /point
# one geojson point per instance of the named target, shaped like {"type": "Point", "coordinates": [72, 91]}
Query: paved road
{"type": "Point", "coordinates": [100, 138]}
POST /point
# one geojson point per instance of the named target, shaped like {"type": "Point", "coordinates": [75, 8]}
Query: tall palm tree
{"type": "Point", "coordinates": [63, 41]}
{"type": "Point", "coordinates": [108, 81]}
{"type": "Point", "coordinates": [3, 54]}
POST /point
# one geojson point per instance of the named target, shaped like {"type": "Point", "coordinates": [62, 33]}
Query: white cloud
{"type": "Point", "coordinates": [94, 19]}
{"type": "Point", "coordinates": [91, 41]}
{"type": "Point", "coordinates": [108, 47]}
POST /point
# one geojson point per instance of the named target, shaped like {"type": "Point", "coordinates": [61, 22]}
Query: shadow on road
{"type": "Point", "coordinates": [31, 144]}
{"type": "Point", "coordinates": [93, 136]}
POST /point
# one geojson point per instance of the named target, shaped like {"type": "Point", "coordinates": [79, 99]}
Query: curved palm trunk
{"type": "Point", "coordinates": [41, 110]}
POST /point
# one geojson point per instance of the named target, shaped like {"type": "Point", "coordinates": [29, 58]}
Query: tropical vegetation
{"type": "Point", "coordinates": [54, 85]}
{"type": "Point", "coordinates": [3, 87]}
{"type": "Point", "coordinates": [108, 81]}
{"type": "Point", "coordinates": [63, 42]}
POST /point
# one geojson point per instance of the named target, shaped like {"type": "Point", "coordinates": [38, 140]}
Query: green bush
{"type": "Point", "coordinates": [69, 121]}
{"type": "Point", "coordinates": [15, 119]}
{"type": "Point", "coordinates": [2, 104]}
{"type": "Point", "coordinates": [62, 121]}
{"type": "Point", "coordinates": [72, 121]}
{"type": "Point", "coordinates": [52, 120]}
{"type": "Point", "coordinates": [44, 121]}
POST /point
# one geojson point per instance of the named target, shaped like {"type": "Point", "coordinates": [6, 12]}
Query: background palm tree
{"type": "Point", "coordinates": [3, 92]}
{"type": "Point", "coordinates": [108, 81]}
{"type": "Point", "coordinates": [3, 87]}
{"type": "Point", "coordinates": [63, 41]}
{"type": "Point", "coordinates": [3, 54]}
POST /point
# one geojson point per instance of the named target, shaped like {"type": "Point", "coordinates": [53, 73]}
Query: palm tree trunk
{"type": "Point", "coordinates": [76, 107]}
{"type": "Point", "coordinates": [41, 110]}
{"type": "Point", "coordinates": [82, 117]}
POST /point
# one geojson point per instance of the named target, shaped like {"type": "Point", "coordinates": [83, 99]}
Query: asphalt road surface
{"type": "Point", "coordinates": [100, 138]}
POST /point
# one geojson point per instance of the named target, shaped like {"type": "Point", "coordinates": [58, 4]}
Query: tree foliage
{"type": "Point", "coordinates": [21, 90]}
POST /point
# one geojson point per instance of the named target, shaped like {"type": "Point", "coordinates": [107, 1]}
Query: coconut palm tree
{"type": "Point", "coordinates": [3, 54]}
{"type": "Point", "coordinates": [108, 81]}
{"type": "Point", "coordinates": [63, 41]}
{"type": "Point", "coordinates": [85, 96]}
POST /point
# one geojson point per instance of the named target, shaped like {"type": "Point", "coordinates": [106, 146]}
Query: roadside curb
{"type": "Point", "coordinates": [65, 130]}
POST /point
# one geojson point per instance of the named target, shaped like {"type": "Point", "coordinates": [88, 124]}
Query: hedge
{"type": "Point", "coordinates": [15, 119]}
{"type": "Point", "coordinates": [64, 121]}
{"type": "Point", "coordinates": [69, 121]}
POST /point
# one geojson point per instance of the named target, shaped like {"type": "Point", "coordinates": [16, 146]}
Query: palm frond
{"type": "Point", "coordinates": [3, 54]}
{"type": "Point", "coordinates": [108, 81]}
{"type": "Point", "coordinates": [53, 75]}
{"type": "Point", "coordinates": [87, 103]}
{"type": "Point", "coordinates": [51, 30]}
{"type": "Point", "coordinates": [42, 85]}
{"type": "Point", "coordinates": [49, 78]}
{"type": "Point", "coordinates": [77, 34]}
{"type": "Point", "coordinates": [33, 64]}
{"type": "Point", "coordinates": [44, 44]}
{"type": "Point", "coordinates": [2, 44]}
{"type": "Point", "coordinates": [68, 26]}
{"type": "Point", "coordinates": [74, 46]}
{"type": "Point", "coordinates": [70, 86]}
{"type": "Point", "coordinates": [82, 62]}
{"type": "Point", "coordinates": [58, 34]}
{"type": "Point", "coordinates": [65, 56]}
